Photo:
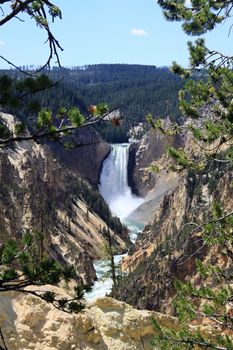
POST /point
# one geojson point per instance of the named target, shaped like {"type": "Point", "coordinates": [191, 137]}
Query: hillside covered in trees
{"type": "Point", "coordinates": [135, 89]}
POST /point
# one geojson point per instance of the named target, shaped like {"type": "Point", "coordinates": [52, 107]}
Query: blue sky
{"type": "Point", "coordinates": [106, 31]}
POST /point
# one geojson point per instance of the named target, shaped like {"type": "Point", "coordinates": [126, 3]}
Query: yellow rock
{"type": "Point", "coordinates": [29, 323]}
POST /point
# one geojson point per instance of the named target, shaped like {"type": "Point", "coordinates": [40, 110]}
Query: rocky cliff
{"type": "Point", "coordinates": [166, 249]}
{"type": "Point", "coordinates": [37, 192]}
{"type": "Point", "coordinates": [85, 161]}
{"type": "Point", "coordinates": [152, 147]}
{"type": "Point", "coordinates": [150, 184]}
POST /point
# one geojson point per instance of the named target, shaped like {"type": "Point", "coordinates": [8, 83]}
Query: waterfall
{"type": "Point", "coordinates": [114, 182]}
{"type": "Point", "coordinates": [115, 190]}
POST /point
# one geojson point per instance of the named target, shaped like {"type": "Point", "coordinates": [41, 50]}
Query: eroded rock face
{"type": "Point", "coordinates": [85, 161]}
{"type": "Point", "coordinates": [38, 193]}
{"type": "Point", "coordinates": [28, 323]}
{"type": "Point", "coordinates": [166, 249]}
{"type": "Point", "coordinates": [150, 184]}
{"type": "Point", "coordinates": [150, 148]}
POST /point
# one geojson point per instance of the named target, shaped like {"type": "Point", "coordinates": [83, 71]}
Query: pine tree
{"type": "Point", "coordinates": [209, 86]}
{"type": "Point", "coordinates": [26, 264]}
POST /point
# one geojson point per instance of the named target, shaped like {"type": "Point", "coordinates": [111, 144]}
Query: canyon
{"type": "Point", "coordinates": [41, 192]}
{"type": "Point", "coordinates": [43, 188]}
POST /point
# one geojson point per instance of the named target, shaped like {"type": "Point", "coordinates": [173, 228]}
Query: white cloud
{"type": "Point", "coordinates": [138, 32]}
{"type": "Point", "coordinates": [2, 43]}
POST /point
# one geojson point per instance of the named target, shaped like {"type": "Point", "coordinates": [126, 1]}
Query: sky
{"type": "Point", "coordinates": [105, 31]}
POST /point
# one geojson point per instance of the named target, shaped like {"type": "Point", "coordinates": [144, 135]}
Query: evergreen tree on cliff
{"type": "Point", "coordinates": [210, 301]}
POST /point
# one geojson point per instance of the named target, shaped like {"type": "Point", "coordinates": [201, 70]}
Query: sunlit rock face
{"type": "Point", "coordinates": [29, 323]}
{"type": "Point", "coordinates": [151, 148]}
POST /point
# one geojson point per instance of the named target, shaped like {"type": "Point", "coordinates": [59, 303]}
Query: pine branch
{"type": "Point", "coordinates": [20, 8]}
{"type": "Point", "coordinates": [38, 137]}
{"type": "Point", "coordinates": [195, 342]}
{"type": "Point", "coordinates": [197, 228]}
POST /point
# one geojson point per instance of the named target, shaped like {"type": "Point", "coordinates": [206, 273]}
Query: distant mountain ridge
{"type": "Point", "coordinates": [135, 89]}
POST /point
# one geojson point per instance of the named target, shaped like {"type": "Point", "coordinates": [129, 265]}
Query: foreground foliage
{"type": "Point", "coordinates": [27, 265]}
{"type": "Point", "coordinates": [208, 301]}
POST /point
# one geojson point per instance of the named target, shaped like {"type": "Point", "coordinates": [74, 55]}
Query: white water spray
{"type": "Point", "coordinates": [114, 182]}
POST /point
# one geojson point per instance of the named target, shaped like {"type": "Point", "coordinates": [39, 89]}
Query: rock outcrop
{"type": "Point", "coordinates": [28, 323]}
{"type": "Point", "coordinates": [150, 148]}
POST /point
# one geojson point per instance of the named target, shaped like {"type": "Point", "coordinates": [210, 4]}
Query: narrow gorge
{"type": "Point", "coordinates": [115, 190]}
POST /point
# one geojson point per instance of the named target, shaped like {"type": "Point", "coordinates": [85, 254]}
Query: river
{"type": "Point", "coordinates": [115, 190]}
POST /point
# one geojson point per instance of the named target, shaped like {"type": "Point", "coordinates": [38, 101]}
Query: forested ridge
{"type": "Point", "coordinates": [135, 89]}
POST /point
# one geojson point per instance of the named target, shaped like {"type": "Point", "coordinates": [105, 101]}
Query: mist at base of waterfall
{"type": "Point", "coordinates": [123, 204]}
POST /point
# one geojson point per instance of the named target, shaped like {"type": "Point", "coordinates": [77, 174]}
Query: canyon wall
{"type": "Point", "coordinates": [164, 250]}
{"type": "Point", "coordinates": [152, 147]}
{"type": "Point", "coordinates": [86, 161]}
{"type": "Point", "coordinates": [38, 192]}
